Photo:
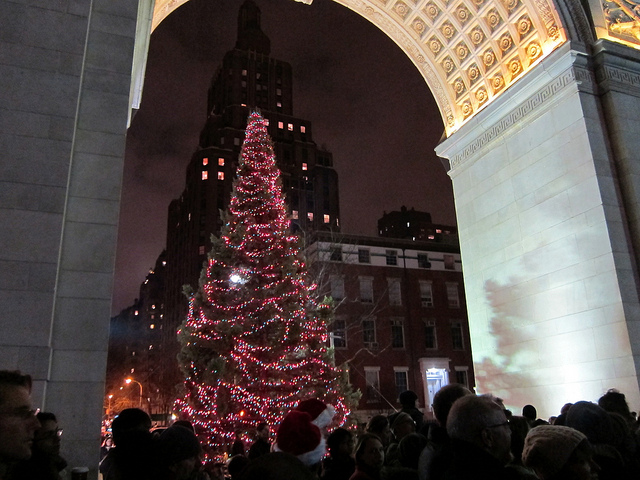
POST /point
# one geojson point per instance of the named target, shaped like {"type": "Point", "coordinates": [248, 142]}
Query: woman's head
{"type": "Point", "coordinates": [340, 442]}
{"type": "Point", "coordinates": [379, 425]}
{"type": "Point", "coordinates": [369, 451]}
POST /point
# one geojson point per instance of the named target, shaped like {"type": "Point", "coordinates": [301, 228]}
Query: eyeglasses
{"type": "Point", "coordinates": [22, 413]}
{"type": "Point", "coordinates": [57, 433]}
{"type": "Point", "coordinates": [504, 424]}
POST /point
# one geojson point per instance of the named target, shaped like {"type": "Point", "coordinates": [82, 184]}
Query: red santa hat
{"type": "Point", "coordinates": [321, 413]}
{"type": "Point", "coordinates": [298, 436]}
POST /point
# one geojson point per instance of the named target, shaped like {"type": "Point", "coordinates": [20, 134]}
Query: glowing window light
{"type": "Point", "coordinates": [205, 161]}
{"type": "Point", "coordinates": [221, 161]}
{"type": "Point", "coordinates": [220, 175]}
{"type": "Point", "coordinates": [205, 175]}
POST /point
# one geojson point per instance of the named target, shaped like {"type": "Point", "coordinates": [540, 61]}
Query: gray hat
{"type": "Point", "coordinates": [548, 447]}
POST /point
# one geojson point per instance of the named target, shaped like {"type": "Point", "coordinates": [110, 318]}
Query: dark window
{"type": "Point", "coordinates": [402, 383]}
{"type": "Point", "coordinates": [336, 254]}
{"type": "Point", "coordinates": [462, 377]}
{"type": "Point", "coordinates": [423, 261]}
{"type": "Point", "coordinates": [364, 256]}
{"type": "Point", "coordinates": [397, 334]}
{"type": "Point", "coordinates": [430, 339]}
{"type": "Point", "coordinates": [392, 257]}
{"type": "Point", "coordinates": [457, 342]}
{"type": "Point", "coordinates": [368, 331]}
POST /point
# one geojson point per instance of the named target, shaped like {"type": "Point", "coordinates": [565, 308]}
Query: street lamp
{"type": "Point", "coordinates": [109, 406]}
{"type": "Point", "coordinates": [128, 382]}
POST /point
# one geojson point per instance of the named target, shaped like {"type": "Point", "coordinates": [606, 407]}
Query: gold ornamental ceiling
{"type": "Point", "coordinates": [468, 51]}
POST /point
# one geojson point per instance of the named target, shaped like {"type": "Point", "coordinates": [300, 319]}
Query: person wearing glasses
{"type": "Point", "coordinates": [46, 462]}
{"type": "Point", "coordinates": [18, 420]}
{"type": "Point", "coordinates": [480, 441]}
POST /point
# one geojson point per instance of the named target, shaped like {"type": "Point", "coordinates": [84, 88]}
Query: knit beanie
{"type": "Point", "coordinates": [548, 447]}
{"type": "Point", "coordinates": [400, 418]}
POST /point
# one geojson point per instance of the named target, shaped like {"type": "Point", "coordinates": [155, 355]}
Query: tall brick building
{"type": "Point", "coordinates": [401, 321]}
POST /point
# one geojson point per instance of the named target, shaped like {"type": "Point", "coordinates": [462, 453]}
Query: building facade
{"type": "Point", "coordinates": [400, 318]}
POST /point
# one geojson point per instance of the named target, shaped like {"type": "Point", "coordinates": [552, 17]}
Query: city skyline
{"type": "Point", "coordinates": [370, 114]}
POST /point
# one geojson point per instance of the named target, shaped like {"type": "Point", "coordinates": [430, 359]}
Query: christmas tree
{"type": "Point", "coordinates": [254, 341]}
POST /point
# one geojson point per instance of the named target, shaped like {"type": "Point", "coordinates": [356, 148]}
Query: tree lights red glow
{"type": "Point", "coordinates": [254, 342]}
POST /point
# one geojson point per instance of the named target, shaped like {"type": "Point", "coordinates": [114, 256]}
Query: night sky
{"type": "Point", "coordinates": [367, 102]}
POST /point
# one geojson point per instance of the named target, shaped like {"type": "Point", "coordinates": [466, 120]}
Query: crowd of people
{"type": "Point", "coordinates": [472, 437]}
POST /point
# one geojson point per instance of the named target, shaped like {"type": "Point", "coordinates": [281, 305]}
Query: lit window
{"type": "Point", "coordinates": [290, 127]}
{"type": "Point", "coordinates": [221, 162]}
{"type": "Point", "coordinates": [220, 175]}
{"type": "Point", "coordinates": [279, 104]}
{"type": "Point", "coordinates": [453, 297]}
{"type": "Point", "coordinates": [337, 287]}
{"type": "Point", "coordinates": [136, 312]}
{"type": "Point", "coordinates": [310, 216]}
{"type": "Point", "coordinates": [281, 125]}
{"type": "Point", "coordinates": [327, 218]}
{"type": "Point", "coordinates": [304, 166]}
{"type": "Point", "coordinates": [164, 263]}
{"type": "Point", "coordinates": [426, 294]}
{"type": "Point", "coordinates": [244, 73]}
{"type": "Point", "coordinates": [201, 250]}
{"type": "Point", "coordinates": [205, 174]}
{"type": "Point", "coordinates": [438, 230]}
{"type": "Point", "coordinates": [372, 379]}
{"type": "Point", "coordinates": [152, 326]}
{"type": "Point", "coordinates": [339, 334]}
{"type": "Point", "coordinates": [153, 307]}
{"type": "Point", "coordinates": [303, 129]}
{"type": "Point", "coordinates": [449, 262]}
{"type": "Point", "coordinates": [205, 161]}
{"type": "Point", "coordinates": [366, 289]}
{"type": "Point", "coordinates": [408, 224]}
{"type": "Point", "coordinates": [294, 214]}
{"type": "Point", "coordinates": [395, 291]}
{"type": "Point", "coordinates": [150, 347]}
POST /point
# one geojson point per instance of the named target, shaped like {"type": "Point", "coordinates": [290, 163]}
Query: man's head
{"type": "Point", "coordinates": [444, 399]}
{"type": "Point", "coordinates": [18, 421]}
{"type": "Point", "coordinates": [131, 425]}
{"type": "Point", "coordinates": [530, 413]}
{"type": "Point", "coordinates": [408, 399]}
{"type": "Point", "coordinates": [262, 431]}
{"type": "Point", "coordinates": [481, 422]}
{"type": "Point", "coordinates": [46, 439]}
{"type": "Point", "coordinates": [403, 425]}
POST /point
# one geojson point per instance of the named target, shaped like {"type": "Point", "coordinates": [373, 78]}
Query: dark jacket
{"type": "Point", "coordinates": [472, 463]}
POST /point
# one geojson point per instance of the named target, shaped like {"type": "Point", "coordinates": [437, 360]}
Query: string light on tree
{"type": "Point", "coordinates": [254, 343]}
